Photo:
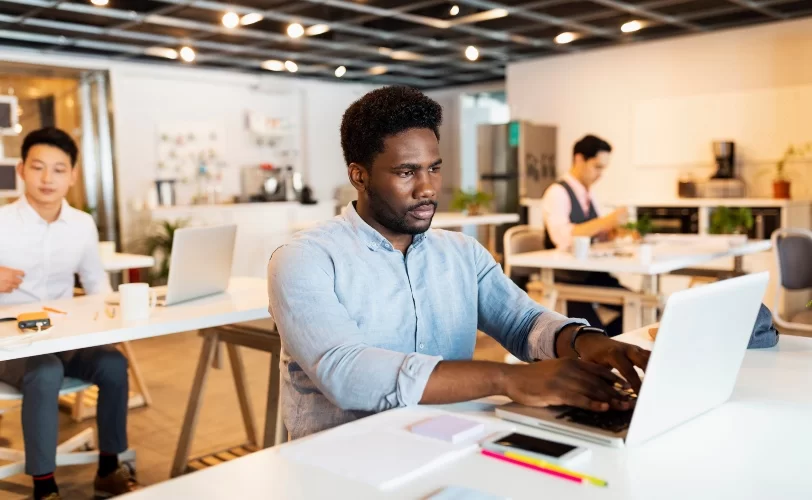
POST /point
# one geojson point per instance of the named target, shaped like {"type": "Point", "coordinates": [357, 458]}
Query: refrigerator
{"type": "Point", "coordinates": [515, 160]}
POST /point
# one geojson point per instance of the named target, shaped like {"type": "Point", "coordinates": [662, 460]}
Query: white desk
{"type": "Point", "coordinates": [754, 447]}
{"type": "Point", "coordinates": [667, 257]}
{"type": "Point", "coordinates": [444, 220]}
{"type": "Point", "coordinates": [87, 325]}
{"type": "Point", "coordinates": [123, 261]}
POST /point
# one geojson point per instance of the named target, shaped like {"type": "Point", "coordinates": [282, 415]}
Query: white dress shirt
{"type": "Point", "coordinates": [556, 208]}
{"type": "Point", "coordinates": [50, 254]}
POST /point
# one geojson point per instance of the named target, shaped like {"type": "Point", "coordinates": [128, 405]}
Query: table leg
{"type": "Point", "coordinates": [238, 370]}
{"type": "Point", "coordinates": [549, 295]}
{"type": "Point", "coordinates": [651, 286]}
{"type": "Point", "coordinates": [632, 314]}
{"type": "Point", "coordinates": [210, 342]}
{"type": "Point", "coordinates": [272, 406]}
{"type": "Point", "coordinates": [492, 239]}
{"type": "Point", "coordinates": [738, 266]}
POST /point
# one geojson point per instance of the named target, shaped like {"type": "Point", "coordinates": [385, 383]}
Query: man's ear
{"type": "Point", "coordinates": [74, 175]}
{"type": "Point", "coordinates": [20, 167]}
{"type": "Point", "coordinates": [359, 176]}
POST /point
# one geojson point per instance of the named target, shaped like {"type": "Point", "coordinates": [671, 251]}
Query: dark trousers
{"type": "Point", "coordinates": [586, 310]}
{"type": "Point", "coordinates": [39, 378]}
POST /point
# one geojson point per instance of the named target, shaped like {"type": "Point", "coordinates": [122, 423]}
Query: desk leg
{"type": "Point", "coordinates": [210, 341]}
{"type": "Point", "coordinates": [738, 266]}
{"type": "Point", "coordinates": [651, 286]}
{"type": "Point", "coordinates": [632, 314]}
{"type": "Point", "coordinates": [238, 369]}
{"type": "Point", "coordinates": [549, 295]}
{"type": "Point", "coordinates": [272, 407]}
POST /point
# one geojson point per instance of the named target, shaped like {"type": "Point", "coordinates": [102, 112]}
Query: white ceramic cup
{"type": "Point", "coordinates": [107, 249]}
{"type": "Point", "coordinates": [580, 246]}
{"type": "Point", "coordinates": [137, 301]}
{"type": "Point", "coordinates": [645, 252]}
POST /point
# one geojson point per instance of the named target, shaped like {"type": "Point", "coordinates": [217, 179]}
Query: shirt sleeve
{"type": "Point", "coordinates": [319, 334]}
{"type": "Point", "coordinates": [506, 313]}
{"type": "Point", "coordinates": [91, 271]}
{"type": "Point", "coordinates": [556, 207]}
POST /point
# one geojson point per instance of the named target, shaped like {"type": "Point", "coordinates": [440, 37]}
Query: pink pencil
{"type": "Point", "coordinates": [532, 467]}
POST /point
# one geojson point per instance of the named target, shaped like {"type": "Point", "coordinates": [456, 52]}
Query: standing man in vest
{"type": "Point", "coordinates": [570, 211]}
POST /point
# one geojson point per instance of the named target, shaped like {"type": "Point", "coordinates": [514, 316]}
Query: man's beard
{"type": "Point", "coordinates": [389, 218]}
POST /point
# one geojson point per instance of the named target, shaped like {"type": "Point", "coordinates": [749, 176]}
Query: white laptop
{"type": "Point", "coordinates": [693, 367]}
{"type": "Point", "coordinates": [200, 264]}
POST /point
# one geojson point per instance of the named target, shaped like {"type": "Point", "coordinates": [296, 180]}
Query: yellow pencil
{"type": "Point", "coordinates": [541, 463]}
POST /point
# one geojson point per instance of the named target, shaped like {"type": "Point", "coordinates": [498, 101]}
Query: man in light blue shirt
{"type": "Point", "coordinates": [376, 311]}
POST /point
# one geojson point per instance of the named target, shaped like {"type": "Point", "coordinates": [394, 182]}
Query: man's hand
{"type": "Point", "coordinates": [619, 217]}
{"type": "Point", "coordinates": [596, 348]}
{"type": "Point", "coordinates": [566, 382]}
{"type": "Point", "coordinates": [10, 279]}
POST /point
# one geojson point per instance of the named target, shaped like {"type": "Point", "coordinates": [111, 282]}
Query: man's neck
{"type": "Point", "coordinates": [48, 211]}
{"type": "Point", "coordinates": [574, 175]}
{"type": "Point", "coordinates": [398, 240]}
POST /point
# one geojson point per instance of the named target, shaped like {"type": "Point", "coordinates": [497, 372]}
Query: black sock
{"type": "Point", "coordinates": [44, 485]}
{"type": "Point", "coordinates": [108, 463]}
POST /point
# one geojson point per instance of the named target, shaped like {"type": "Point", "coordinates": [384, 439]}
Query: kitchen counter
{"type": "Point", "coordinates": [697, 202]}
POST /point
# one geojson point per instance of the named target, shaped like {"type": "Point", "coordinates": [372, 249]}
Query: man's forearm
{"type": "Point", "coordinates": [593, 227]}
{"type": "Point", "coordinates": [457, 381]}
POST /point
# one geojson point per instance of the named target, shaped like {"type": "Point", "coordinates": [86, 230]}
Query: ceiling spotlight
{"type": "Point", "coordinates": [273, 65]}
{"type": "Point", "coordinates": [317, 29]}
{"type": "Point", "coordinates": [295, 30]}
{"type": "Point", "coordinates": [631, 26]}
{"type": "Point", "coordinates": [187, 54]}
{"type": "Point", "coordinates": [340, 71]}
{"type": "Point", "coordinates": [565, 37]}
{"type": "Point", "coordinates": [472, 53]}
{"type": "Point", "coordinates": [231, 20]}
{"type": "Point", "coordinates": [455, 9]}
{"type": "Point", "coordinates": [377, 70]}
{"type": "Point", "coordinates": [251, 18]}
{"type": "Point", "coordinates": [100, 3]}
{"type": "Point", "coordinates": [161, 52]}
{"type": "Point", "coordinates": [291, 66]}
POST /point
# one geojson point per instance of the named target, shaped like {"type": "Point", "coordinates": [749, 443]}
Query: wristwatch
{"type": "Point", "coordinates": [582, 331]}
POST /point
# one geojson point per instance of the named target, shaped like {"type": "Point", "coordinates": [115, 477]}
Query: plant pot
{"type": "Point", "coordinates": [474, 209]}
{"type": "Point", "coordinates": [781, 189]}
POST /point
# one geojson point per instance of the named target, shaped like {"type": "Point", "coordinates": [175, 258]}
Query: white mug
{"type": "Point", "coordinates": [107, 249]}
{"type": "Point", "coordinates": [580, 246]}
{"type": "Point", "coordinates": [137, 301]}
{"type": "Point", "coordinates": [645, 252]}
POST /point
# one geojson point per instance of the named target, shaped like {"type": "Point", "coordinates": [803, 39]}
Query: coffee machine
{"type": "Point", "coordinates": [724, 183]}
{"type": "Point", "coordinates": [725, 154]}
{"type": "Point", "coordinates": [269, 183]}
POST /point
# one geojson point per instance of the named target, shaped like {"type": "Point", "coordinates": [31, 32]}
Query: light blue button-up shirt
{"type": "Point", "coordinates": [363, 326]}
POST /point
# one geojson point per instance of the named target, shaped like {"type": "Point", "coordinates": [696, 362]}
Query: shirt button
{"type": "Point", "coordinates": [421, 346]}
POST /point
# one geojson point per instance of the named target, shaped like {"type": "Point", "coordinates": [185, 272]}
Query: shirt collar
{"type": "Point", "coordinates": [576, 185]}
{"type": "Point", "coordinates": [29, 215]}
{"type": "Point", "coordinates": [369, 235]}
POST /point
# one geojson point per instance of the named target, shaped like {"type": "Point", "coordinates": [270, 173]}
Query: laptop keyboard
{"type": "Point", "coordinates": [612, 420]}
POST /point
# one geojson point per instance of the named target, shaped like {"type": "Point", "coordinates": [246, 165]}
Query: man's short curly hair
{"type": "Point", "coordinates": [381, 113]}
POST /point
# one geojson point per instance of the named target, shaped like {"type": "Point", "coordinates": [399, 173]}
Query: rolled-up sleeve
{"type": "Point", "coordinates": [509, 315]}
{"type": "Point", "coordinates": [319, 334]}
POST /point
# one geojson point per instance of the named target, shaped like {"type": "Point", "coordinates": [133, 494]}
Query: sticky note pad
{"type": "Point", "coordinates": [449, 428]}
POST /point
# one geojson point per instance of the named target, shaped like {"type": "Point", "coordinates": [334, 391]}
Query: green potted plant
{"type": "Point", "coordinates": [641, 226]}
{"type": "Point", "coordinates": [781, 185]}
{"type": "Point", "coordinates": [727, 220]}
{"type": "Point", "coordinates": [470, 201]}
{"type": "Point", "coordinates": [159, 245]}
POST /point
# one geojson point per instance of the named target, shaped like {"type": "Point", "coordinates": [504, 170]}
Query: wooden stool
{"type": "Point", "coordinates": [260, 335]}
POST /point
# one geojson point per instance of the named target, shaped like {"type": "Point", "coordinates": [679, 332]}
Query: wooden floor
{"type": "Point", "coordinates": [168, 365]}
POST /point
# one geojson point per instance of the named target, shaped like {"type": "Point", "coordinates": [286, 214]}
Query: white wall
{"type": "Point", "coordinates": [596, 92]}
{"type": "Point", "coordinates": [146, 96]}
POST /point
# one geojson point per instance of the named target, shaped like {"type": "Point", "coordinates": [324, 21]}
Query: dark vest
{"type": "Point", "coordinates": [577, 215]}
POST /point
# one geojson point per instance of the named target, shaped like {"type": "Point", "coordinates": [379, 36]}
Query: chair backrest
{"type": "Point", "coordinates": [793, 250]}
{"type": "Point", "coordinates": [519, 239]}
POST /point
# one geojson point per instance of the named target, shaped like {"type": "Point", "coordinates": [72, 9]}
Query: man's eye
{"type": "Point", "coordinates": [406, 174]}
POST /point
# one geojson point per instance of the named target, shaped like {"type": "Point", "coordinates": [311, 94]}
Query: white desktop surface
{"type": "Point", "coordinates": [667, 258]}
{"type": "Point", "coordinates": [444, 220]}
{"type": "Point", "coordinates": [754, 447]}
{"type": "Point", "coordinates": [87, 325]}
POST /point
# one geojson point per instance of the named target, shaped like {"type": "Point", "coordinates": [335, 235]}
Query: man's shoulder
{"type": "Point", "coordinates": [80, 218]}
{"type": "Point", "coordinates": [317, 242]}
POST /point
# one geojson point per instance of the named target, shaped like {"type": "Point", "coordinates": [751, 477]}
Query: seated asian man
{"type": "Point", "coordinates": [569, 210]}
{"type": "Point", "coordinates": [376, 311]}
{"type": "Point", "coordinates": [52, 242]}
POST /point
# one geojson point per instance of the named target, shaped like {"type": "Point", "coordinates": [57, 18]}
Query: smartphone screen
{"type": "Point", "coordinates": [535, 445]}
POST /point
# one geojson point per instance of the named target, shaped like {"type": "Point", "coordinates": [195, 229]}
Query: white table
{"type": "Point", "coordinates": [124, 261]}
{"type": "Point", "coordinates": [88, 325]}
{"type": "Point", "coordinates": [667, 257]}
{"type": "Point", "coordinates": [754, 447]}
{"type": "Point", "coordinates": [444, 220]}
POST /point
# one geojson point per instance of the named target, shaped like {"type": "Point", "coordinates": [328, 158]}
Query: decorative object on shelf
{"type": "Point", "coordinates": [306, 197]}
{"type": "Point", "coordinates": [782, 185]}
{"type": "Point", "coordinates": [727, 220]}
{"type": "Point", "coordinates": [470, 202]}
{"type": "Point", "coordinates": [192, 154]}
{"type": "Point", "coordinates": [159, 245]}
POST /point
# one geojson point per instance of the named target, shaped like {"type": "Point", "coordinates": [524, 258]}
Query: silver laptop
{"type": "Point", "coordinates": [693, 367]}
{"type": "Point", "coordinates": [200, 264]}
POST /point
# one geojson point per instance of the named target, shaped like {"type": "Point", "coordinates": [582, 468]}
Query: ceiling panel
{"type": "Point", "coordinates": [426, 43]}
